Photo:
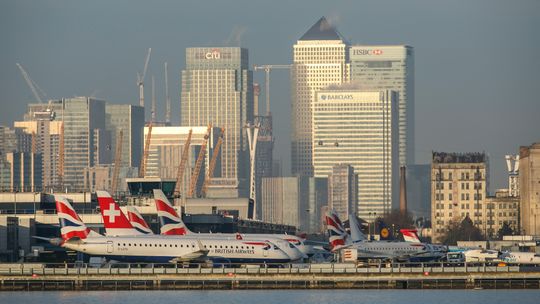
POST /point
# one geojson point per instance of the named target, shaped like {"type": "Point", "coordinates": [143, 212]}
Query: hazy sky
{"type": "Point", "coordinates": [476, 62]}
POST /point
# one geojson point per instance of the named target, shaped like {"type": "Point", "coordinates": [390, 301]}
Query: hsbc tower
{"type": "Point", "coordinates": [389, 67]}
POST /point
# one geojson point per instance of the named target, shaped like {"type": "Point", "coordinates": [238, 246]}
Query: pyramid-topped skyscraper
{"type": "Point", "coordinates": [319, 60]}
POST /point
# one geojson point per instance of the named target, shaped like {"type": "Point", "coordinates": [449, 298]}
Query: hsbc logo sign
{"type": "Point", "coordinates": [364, 52]}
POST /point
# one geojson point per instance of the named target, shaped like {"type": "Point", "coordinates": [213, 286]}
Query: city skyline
{"type": "Point", "coordinates": [463, 101]}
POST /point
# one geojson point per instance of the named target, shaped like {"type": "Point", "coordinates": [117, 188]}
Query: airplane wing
{"type": "Point", "coordinates": [196, 255]}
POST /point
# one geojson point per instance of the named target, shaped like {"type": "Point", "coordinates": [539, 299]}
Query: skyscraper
{"type": "Point", "coordinates": [129, 119]}
{"type": "Point", "coordinates": [217, 89]}
{"type": "Point", "coordinates": [319, 59]}
{"type": "Point", "coordinates": [359, 128]}
{"type": "Point", "coordinates": [386, 67]}
{"type": "Point", "coordinates": [342, 190]}
{"type": "Point", "coordinates": [86, 143]}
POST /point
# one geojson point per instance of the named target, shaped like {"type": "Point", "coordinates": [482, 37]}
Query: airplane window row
{"type": "Point", "coordinates": [182, 246]}
{"type": "Point", "coordinates": [154, 245]}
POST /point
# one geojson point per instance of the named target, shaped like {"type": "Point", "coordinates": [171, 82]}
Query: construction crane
{"type": "Point", "coordinates": [153, 100]}
{"type": "Point", "coordinates": [198, 164]}
{"type": "Point", "coordinates": [167, 97]}
{"type": "Point", "coordinates": [140, 78]}
{"type": "Point", "coordinates": [144, 159]}
{"type": "Point", "coordinates": [183, 161]}
{"type": "Point", "coordinates": [33, 86]}
{"type": "Point", "coordinates": [212, 163]}
{"type": "Point", "coordinates": [267, 68]}
{"type": "Point", "coordinates": [117, 162]}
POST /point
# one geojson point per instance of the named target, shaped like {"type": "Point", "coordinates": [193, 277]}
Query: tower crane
{"type": "Point", "coordinates": [144, 159]}
{"type": "Point", "coordinates": [212, 163]}
{"type": "Point", "coordinates": [117, 162]}
{"type": "Point", "coordinates": [167, 97]}
{"type": "Point", "coordinates": [140, 78]}
{"type": "Point", "coordinates": [33, 86]}
{"type": "Point", "coordinates": [267, 68]}
{"type": "Point", "coordinates": [153, 117]}
{"type": "Point", "coordinates": [198, 164]}
{"type": "Point", "coordinates": [182, 166]}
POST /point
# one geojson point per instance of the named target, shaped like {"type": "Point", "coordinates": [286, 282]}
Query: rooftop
{"type": "Point", "coordinates": [463, 158]}
{"type": "Point", "coordinates": [322, 30]}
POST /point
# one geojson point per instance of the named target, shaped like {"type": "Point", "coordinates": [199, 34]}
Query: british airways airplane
{"type": "Point", "coordinates": [386, 250]}
{"type": "Point", "coordinates": [218, 250]}
{"type": "Point", "coordinates": [172, 224]}
{"type": "Point", "coordinates": [76, 236]}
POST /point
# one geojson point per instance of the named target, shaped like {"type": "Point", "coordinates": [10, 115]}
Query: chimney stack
{"type": "Point", "coordinates": [402, 191]}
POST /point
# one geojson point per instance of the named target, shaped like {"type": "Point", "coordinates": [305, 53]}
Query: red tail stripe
{"type": "Point", "coordinates": [175, 231]}
{"type": "Point", "coordinates": [80, 234]}
{"type": "Point", "coordinates": [62, 208]}
{"type": "Point", "coordinates": [134, 218]}
{"type": "Point", "coordinates": [162, 206]}
{"type": "Point", "coordinates": [330, 221]}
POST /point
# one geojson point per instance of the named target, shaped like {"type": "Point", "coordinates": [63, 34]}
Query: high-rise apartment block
{"type": "Point", "coordinates": [359, 128]}
{"type": "Point", "coordinates": [319, 60]}
{"type": "Point", "coordinates": [529, 188]}
{"type": "Point", "coordinates": [342, 190]}
{"type": "Point", "coordinates": [458, 190]}
{"type": "Point", "coordinates": [385, 67]}
{"type": "Point", "coordinates": [217, 89]}
{"type": "Point", "coordinates": [25, 171]}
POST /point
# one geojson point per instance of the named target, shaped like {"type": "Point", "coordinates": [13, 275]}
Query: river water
{"type": "Point", "coordinates": [275, 297]}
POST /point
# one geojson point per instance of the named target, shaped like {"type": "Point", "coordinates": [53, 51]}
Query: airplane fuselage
{"type": "Point", "coordinates": [159, 249]}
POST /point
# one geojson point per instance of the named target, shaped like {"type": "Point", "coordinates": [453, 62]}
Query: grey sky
{"type": "Point", "coordinates": [477, 67]}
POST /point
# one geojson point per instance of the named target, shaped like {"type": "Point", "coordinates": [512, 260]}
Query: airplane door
{"type": "Point", "coordinates": [109, 246]}
{"type": "Point", "coordinates": [265, 252]}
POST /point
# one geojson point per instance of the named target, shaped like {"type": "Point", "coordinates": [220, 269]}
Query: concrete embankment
{"type": "Point", "coordinates": [268, 278]}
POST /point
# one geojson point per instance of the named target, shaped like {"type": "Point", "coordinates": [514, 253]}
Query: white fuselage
{"type": "Point", "coordinates": [396, 250]}
{"type": "Point", "coordinates": [291, 250]}
{"type": "Point", "coordinates": [480, 255]}
{"type": "Point", "coordinates": [173, 249]}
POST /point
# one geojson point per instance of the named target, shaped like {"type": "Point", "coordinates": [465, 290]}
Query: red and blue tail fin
{"type": "Point", "coordinates": [71, 225]}
{"type": "Point", "coordinates": [137, 221]}
{"type": "Point", "coordinates": [336, 230]}
{"type": "Point", "coordinates": [171, 222]}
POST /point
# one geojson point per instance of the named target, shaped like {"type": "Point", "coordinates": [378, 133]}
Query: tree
{"type": "Point", "coordinates": [505, 230]}
{"type": "Point", "coordinates": [462, 231]}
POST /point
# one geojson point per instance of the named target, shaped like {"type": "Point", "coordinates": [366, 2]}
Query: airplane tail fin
{"type": "Point", "coordinates": [384, 231]}
{"type": "Point", "coordinates": [171, 222]}
{"type": "Point", "coordinates": [137, 221]}
{"type": "Point", "coordinates": [71, 225]}
{"type": "Point", "coordinates": [356, 233]}
{"type": "Point", "coordinates": [115, 221]}
{"type": "Point", "coordinates": [410, 235]}
{"type": "Point", "coordinates": [336, 231]}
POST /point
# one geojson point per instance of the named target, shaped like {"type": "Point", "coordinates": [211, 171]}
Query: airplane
{"type": "Point", "coordinates": [172, 224]}
{"type": "Point", "coordinates": [411, 236]}
{"type": "Point", "coordinates": [385, 250]}
{"type": "Point", "coordinates": [75, 235]}
{"type": "Point", "coordinates": [137, 221]}
{"type": "Point", "coordinates": [218, 250]}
